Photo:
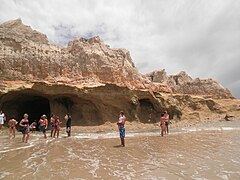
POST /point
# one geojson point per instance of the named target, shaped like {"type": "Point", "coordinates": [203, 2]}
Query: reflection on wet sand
{"type": "Point", "coordinates": [193, 154]}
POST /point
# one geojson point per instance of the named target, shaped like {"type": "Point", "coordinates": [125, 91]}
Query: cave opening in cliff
{"type": "Point", "coordinates": [147, 113]}
{"type": "Point", "coordinates": [34, 105]}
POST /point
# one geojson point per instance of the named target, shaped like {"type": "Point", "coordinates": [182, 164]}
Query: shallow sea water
{"type": "Point", "coordinates": [203, 152]}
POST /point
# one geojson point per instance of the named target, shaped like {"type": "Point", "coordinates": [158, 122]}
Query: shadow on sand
{"type": "Point", "coordinates": [117, 146]}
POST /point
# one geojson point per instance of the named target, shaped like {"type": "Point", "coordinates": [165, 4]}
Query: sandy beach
{"type": "Point", "coordinates": [206, 151]}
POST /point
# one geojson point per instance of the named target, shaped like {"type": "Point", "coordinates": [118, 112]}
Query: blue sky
{"type": "Point", "coordinates": [198, 36]}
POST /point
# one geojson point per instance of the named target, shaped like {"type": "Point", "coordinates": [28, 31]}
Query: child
{"type": "Point", "coordinates": [12, 127]}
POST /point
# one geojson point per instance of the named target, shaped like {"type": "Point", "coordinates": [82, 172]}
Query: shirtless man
{"type": "Point", "coordinates": [12, 127]}
{"type": "Point", "coordinates": [121, 127]}
{"type": "Point", "coordinates": [68, 119]}
{"type": "Point", "coordinates": [43, 124]}
{"type": "Point", "coordinates": [52, 124]}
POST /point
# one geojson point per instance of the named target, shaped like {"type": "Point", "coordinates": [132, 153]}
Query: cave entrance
{"type": "Point", "coordinates": [147, 113]}
{"type": "Point", "coordinates": [34, 105]}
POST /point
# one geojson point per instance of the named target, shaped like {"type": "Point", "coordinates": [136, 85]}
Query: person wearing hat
{"type": "Point", "coordinates": [121, 127]}
{"type": "Point", "coordinates": [43, 124]}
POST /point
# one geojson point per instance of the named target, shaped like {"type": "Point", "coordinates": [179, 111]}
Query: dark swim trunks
{"type": "Point", "coordinates": [52, 126]}
{"type": "Point", "coordinates": [122, 131]}
{"type": "Point", "coordinates": [166, 123]}
{"type": "Point", "coordinates": [42, 128]}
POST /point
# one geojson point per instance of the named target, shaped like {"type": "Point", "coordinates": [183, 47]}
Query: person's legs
{"type": "Point", "coordinates": [69, 131]}
{"type": "Point", "coordinates": [163, 130]}
{"type": "Point", "coordinates": [0, 126]}
{"type": "Point", "coordinates": [14, 132]}
{"type": "Point", "coordinates": [57, 133]}
{"type": "Point", "coordinates": [26, 139]}
{"type": "Point", "coordinates": [52, 132]}
{"type": "Point", "coordinates": [122, 135]}
{"type": "Point", "coordinates": [123, 142]}
{"type": "Point", "coordinates": [10, 133]}
{"type": "Point", "coordinates": [23, 138]}
{"type": "Point", "coordinates": [44, 133]}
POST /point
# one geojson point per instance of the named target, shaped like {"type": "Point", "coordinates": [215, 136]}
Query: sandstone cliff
{"type": "Point", "coordinates": [27, 55]}
{"type": "Point", "coordinates": [94, 82]}
{"type": "Point", "coordinates": [182, 83]}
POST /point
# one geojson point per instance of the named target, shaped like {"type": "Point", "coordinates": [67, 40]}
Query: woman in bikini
{"type": "Point", "coordinates": [57, 126]}
{"type": "Point", "coordinates": [24, 123]}
{"type": "Point", "coordinates": [12, 127]}
{"type": "Point", "coordinates": [162, 124]}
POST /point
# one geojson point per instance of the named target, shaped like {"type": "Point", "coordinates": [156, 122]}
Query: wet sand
{"type": "Point", "coordinates": [203, 152]}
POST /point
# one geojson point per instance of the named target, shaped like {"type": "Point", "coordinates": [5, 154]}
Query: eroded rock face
{"type": "Point", "coordinates": [184, 84]}
{"type": "Point", "coordinates": [88, 105]}
{"type": "Point", "coordinates": [92, 81]}
{"type": "Point", "coordinates": [27, 55]}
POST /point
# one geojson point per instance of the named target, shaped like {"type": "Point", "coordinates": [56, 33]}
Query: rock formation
{"type": "Point", "coordinates": [182, 83]}
{"type": "Point", "coordinates": [92, 81]}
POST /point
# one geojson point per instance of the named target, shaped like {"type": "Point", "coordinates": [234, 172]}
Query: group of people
{"type": "Point", "coordinates": [164, 123]}
{"type": "Point", "coordinates": [55, 125]}
{"type": "Point", "coordinates": [26, 128]}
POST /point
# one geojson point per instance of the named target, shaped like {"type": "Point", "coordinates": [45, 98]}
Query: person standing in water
{"type": "Point", "coordinates": [2, 119]}
{"type": "Point", "coordinates": [68, 119]}
{"type": "Point", "coordinates": [24, 123]}
{"type": "Point", "coordinates": [167, 122]}
{"type": "Point", "coordinates": [33, 126]}
{"type": "Point", "coordinates": [162, 124]}
{"type": "Point", "coordinates": [43, 124]}
{"type": "Point", "coordinates": [12, 127]}
{"type": "Point", "coordinates": [56, 126]}
{"type": "Point", "coordinates": [121, 127]}
{"type": "Point", "coordinates": [52, 124]}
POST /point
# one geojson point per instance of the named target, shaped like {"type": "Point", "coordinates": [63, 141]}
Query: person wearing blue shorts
{"type": "Point", "coordinates": [121, 127]}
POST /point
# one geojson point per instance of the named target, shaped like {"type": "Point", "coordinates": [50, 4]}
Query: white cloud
{"type": "Point", "coordinates": [201, 37]}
